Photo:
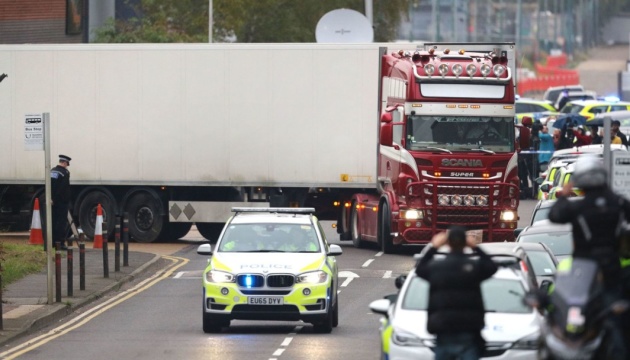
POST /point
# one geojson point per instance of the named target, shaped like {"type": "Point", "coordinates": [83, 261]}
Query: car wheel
{"type": "Point", "coordinates": [335, 320]}
{"type": "Point", "coordinates": [354, 227]}
{"type": "Point", "coordinates": [325, 326]}
{"type": "Point", "coordinates": [212, 325]}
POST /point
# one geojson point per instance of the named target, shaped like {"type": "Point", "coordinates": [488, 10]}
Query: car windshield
{"type": "Point", "coordinates": [269, 238]}
{"type": "Point", "coordinates": [542, 263]}
{"type": "Point", "coordinates": [499, 295]}
{"type": "Point", "coordinates": [541, 214]}
{"type": "Point", "coordinates": [560, 243]}
{"type": "Point", "coordinates": [465, 133]}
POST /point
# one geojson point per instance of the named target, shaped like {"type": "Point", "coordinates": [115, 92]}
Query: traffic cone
{"type": "Point", "coordinates": [98, 229]}
{"type": "Point", "coordinates": [36, 237]}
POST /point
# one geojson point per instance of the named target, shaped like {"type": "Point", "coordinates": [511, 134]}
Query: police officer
{"type": "Point", "coordinates": [598, 220]}
{"type": "Point", "coordinates": [61, 196]}
{"type": "Point", "coordinates": [456, 310]}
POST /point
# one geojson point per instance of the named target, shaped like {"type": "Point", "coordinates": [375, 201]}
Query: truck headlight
{"type": "Point", "coordinates": [215, 276]}
{"type": "Point", "coordinates": [508, 215]}
{"type": "Point", "coordinates": [312, 277]}
{"type": "Point", "coordinates": [412, 214]}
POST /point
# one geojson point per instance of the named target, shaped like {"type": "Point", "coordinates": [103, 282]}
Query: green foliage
{"type": "Point", "coordinates": [251, 21]}
{"type": "Point", "coordinates": [19, 260]}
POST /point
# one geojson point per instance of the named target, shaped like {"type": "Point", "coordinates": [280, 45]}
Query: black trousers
{"type": "Point", "coordinates": [60, 222]}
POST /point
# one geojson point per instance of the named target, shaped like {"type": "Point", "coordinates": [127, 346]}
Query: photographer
{"type": "Point", "coordinates": [567, 135]}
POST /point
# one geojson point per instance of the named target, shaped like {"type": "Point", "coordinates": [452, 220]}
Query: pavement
{"type": "Point", "coordinates": [25, 307]}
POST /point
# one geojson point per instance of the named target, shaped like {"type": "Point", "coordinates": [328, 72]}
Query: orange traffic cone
{"type": "Point", "coordinates": [98, 229]}
{"type": "Point", "coordinates": [36, 237]}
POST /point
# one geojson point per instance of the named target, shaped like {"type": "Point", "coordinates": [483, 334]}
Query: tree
{"type": "Point", "coordinates": [254, 21]}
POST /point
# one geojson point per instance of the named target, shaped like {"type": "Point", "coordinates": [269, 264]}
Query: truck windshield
{"type": "Point", "coordinates": [466, 133]}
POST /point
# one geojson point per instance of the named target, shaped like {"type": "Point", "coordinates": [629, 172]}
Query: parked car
{"type": "Point", "coordinates": [562, 177]}
{"type": "Point", "coordinates": [553, 93]}
{"type": "Point", "coordinates": [566, 98]}
{"type": "Point", "coordinates": [532, 107]}
{"type": "Point", "coordinates": [542, 208]}
{"type": "Point", "coordinates": [540, 261]}
{"type": "Point", "coordinates": [558, 237]}
{"type": "Point", "coordinates": [512, 328]}
{"type": "Point", "coordinates": [590, 108]}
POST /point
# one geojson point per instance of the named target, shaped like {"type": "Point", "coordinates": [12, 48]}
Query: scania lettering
{"type": "Point", "coordinates": [447, 153]}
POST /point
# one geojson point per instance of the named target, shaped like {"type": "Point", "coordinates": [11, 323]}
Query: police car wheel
{"type": "Point", "coordinates": [325, 326]}
{"type": "Point", "coordinates": [213, 325]}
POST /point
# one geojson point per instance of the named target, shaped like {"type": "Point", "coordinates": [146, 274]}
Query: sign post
{"type": "Point", "coordinates": [37, 138]}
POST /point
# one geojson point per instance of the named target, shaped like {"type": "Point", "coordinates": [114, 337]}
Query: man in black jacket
{"type": "Point", "coordinates": [60, 196]}
{"type": "Point", "coordinates": [456, 310]}
{"type": "Point", "coordinates": [598, 220]}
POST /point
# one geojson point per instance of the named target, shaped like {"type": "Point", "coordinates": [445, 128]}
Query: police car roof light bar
{"type": "Point", "coordinates": [273, 210]}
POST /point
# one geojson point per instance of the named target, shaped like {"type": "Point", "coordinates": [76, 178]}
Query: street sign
{"type": "Point", "coordinates": [621, 173]}
{"type": "Point", "coordinates": [33, 132]}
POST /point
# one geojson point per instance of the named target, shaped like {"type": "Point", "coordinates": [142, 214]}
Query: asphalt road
{"type": "Point", "coordinates": [159, 316]}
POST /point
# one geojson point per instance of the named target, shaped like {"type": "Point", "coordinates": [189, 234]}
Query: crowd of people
{"type": "Point", "coordinates": [537, 143]}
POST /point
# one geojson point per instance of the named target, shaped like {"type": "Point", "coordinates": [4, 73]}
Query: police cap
{"type": "Point", "coordinates": [65, 158]}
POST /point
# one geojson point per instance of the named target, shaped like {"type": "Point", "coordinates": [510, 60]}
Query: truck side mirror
{"type": "Point", "coordinates": [387, 134]}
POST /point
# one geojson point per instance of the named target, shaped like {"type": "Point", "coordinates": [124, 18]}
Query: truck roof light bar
{"type": "Point", "coordinates": [279, 210]}
{"type": "Point", "coordinates": [485, 72]}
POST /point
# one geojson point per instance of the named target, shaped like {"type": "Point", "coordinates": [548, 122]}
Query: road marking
{"type": "Point", "coordinates": [367, 263]}
{"type": "Point", "coordinates": [278, 352]}
{"type": "Point", "coordinates": [92, 313]}
{"type": "Point", "coordinates": [179, 274]}
{"type": "Point", "coordinates": [387, 274]}
{"type": "Point", "coordinates": [349, 275]}
{"type": "Point", "coordinates": [379, 253]}
{"type": "Point", "coordinates": [286, 341]}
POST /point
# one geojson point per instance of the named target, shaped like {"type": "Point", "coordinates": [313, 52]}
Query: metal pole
{"type": "Point", "coordinates": [70, 271]}
{"type": "Point", "coordinates": [607, 140]}
{"type": "Point", "coordinates": [49, 251]}
{"type": "Point", "coordinates": [117, 245]}
{"type": "Point", "coordinates": [519, 12]}
{"type": "Point", "coordinates": [125, 239]}
{"type": "Point", "coordinates": [369, 12]}
{"type": "Point", "coordinates": [454, 11]}
{"type": "Point", "coordinates": [105, 253]}
{"type": "Point", "coordinates": [58, 275]}
{"type": "Point", "coordinates": [434, 20]}
{"type": "Point", "coordinates": [81, 264]}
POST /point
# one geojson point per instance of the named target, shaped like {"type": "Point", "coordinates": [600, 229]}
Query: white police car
{"type": "Point", "coordinates": [271, 264]}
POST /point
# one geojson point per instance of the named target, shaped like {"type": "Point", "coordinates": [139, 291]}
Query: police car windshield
{"type": "Point", "coordinates": [459, 133]}
{"type": "Point", "coordinates": [499, 295]}
{"type": "Point", "coordinates": [270, 237]}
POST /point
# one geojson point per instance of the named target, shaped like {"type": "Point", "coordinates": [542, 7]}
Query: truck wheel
{"type": "Point", "coordinates": [145, 221]}
{"type": "Point", "coordinates": [174, 231]}
{"type": "Point", "coordinates": [354, 227]}
{"type": "Point", "coordinates": [343, 225]}
{"type": "Point", "coordinates": [384, 229]}
{"type": "Point", "coordinates": [210, 231]}
{"type": "Point", "coordinates": [87, 213]}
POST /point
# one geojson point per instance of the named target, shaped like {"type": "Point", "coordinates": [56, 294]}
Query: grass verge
{"type": "Point", "coordinates": [19, 260]}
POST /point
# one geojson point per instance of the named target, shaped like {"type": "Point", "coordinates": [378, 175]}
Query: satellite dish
{"type": "Point", "coordinates": [344, 26]}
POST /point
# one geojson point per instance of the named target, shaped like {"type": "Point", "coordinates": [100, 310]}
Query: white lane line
{"type": "Point", "coordinates": [367, 263]}
{"type": "Point", "coordinates": [278, 352]}
{"type": "Point", "coordinates": [179, 274]}
{"type": "Point", "coordinates": [379, 253]}
{"type": "Point", "coordinates": [286, 341]}
{"type": "Point", "coordinates": [387, 274]}
{"type": "Point", "coordinates": [346, 282]}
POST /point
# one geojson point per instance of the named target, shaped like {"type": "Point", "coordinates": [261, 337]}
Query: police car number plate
{"type": "Point", "coordinates": [265, 300]}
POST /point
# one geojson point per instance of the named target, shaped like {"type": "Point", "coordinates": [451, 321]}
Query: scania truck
{"type": "Point", "coordinates": [446, 148]}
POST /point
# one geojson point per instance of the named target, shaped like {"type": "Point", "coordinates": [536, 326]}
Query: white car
{"type": "Point", "coordinates": [271, 264]}
{"type": "Point", "coordinates": [512, 328]}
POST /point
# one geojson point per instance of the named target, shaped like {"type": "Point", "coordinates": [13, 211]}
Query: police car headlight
{"type": "Point", "coordinates": [529, 342]}
{"type": "Point", "coordinates": [405, 338]}
{"type": "Point", "coordinates": [508, 215]}
{"type": "Point", "coordinates": [215, 276]}
{"type": "Point", "coordinates": [412, 214]}
{"type": "Point", "coordinates": [313, 277]}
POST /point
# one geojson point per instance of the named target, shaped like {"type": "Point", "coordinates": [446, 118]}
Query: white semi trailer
{"type": "Point", "coordinates": [176, 134]}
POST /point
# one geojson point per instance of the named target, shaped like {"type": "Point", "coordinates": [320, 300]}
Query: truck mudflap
{"type": "Point", "coordinates": [491, 207]}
